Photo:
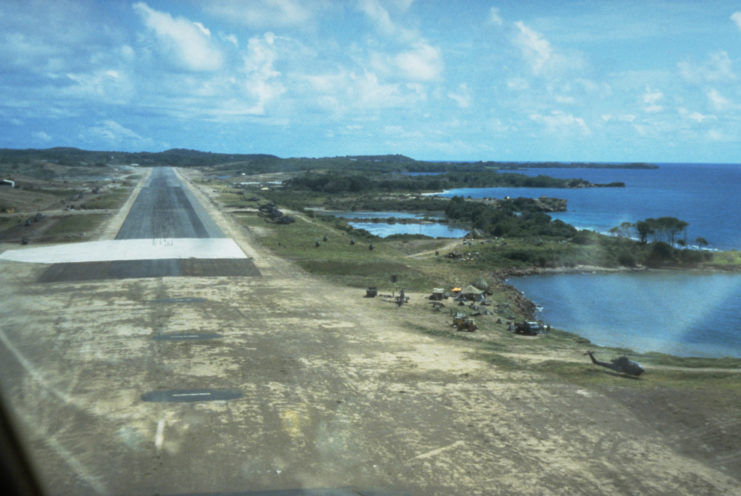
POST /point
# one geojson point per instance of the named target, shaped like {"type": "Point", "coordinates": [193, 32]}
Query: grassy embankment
{"type": "Point", "coordinates": [557, 355]}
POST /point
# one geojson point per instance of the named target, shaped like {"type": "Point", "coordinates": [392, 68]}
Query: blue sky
{"type": "Point", "coordinates": [507, 80]}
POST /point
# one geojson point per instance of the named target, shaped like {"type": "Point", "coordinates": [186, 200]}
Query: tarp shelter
{"type": "Point", "coordinates": [470, 292]}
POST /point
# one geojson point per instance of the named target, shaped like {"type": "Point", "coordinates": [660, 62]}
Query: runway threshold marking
{"type": "Point", "coordinates": [187, 336]}
{"type": "Point", "coordinates": [159, 436]}
{"type": "Point", "coordinates": [191, 395]}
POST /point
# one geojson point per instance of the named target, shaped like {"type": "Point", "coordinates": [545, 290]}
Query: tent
{"type": "Point", "coordinates": [470, 292]}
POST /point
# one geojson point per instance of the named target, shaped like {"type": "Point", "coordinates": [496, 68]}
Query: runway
{"type": "Point", "coordinates": [167, 233]}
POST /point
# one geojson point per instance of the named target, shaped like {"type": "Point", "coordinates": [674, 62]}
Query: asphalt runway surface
{"type": "Point", "coordinates": [164, 209]}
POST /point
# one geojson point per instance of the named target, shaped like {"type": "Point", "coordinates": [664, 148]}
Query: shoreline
{"type": "Point", "coordinates": [597, 269]}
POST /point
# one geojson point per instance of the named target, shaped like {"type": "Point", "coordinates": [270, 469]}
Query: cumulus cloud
{"type": "Point", "coordinates": [736, 17]}
{"type": "Point", "coordinates": [535, 48]}
{"type": "Point", "coordinates": [695, 116]}
{"type": "Point", "coordinates": [382, 21]}
{"type": "Point", "coordinates": [651, 98]}
{"type": "Point", "coordinates": [719, 102]}
{"type": "Point", "coordinates": [188, 43]}
{"type": "Point", "coordinates": [518, 84]}
{"type": "Point", "coordinates": [258, 14]}
{"type": "Point", "coordinates": [262, 82]}
{"type": "Point", "coordinates": [561, 123]}
{"type": "Point", "coordinates": [462, 96]}
{"type": "Point", "coordinates": [718, 67]}
{"type": "Point", "coordinates": [41, 136]}
{"type": "Point", "coordinates": [422, 63]}
{"type": "Point", "coordinates": [109, 84]}
{"type": "Point", "coordinates": [113, 133]}
{"type": "Point", "coordinates": [495, 17]}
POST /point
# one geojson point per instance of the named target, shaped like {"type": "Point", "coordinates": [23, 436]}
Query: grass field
{"type": "Point", "coordinates": [109, 200]}
{"type": "Point", "coordinates": [73, 227]}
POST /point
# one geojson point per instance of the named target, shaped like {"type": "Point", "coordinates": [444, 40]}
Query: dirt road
{"type": "Point", "coordinates": [325, 389]}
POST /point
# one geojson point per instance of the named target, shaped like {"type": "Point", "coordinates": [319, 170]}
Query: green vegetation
{"type": "Point", "coordinates": [113, 199]}
{"type": "Point", "coordinates": [357, 182]}
{"type": "Point", "coordinates": [73, 227]}
{"type": "Point", "coordinates": [354, 265]}
{"type": "Point", "coordinates": [231, 163]}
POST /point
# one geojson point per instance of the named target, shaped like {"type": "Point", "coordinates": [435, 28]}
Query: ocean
{"type": "Point", "coordinates": [680, 313]}
{"type": "Point", "coordinates": [705, 195]}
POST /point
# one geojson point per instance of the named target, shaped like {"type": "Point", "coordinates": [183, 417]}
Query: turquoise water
{"type": "Point", "coordinates": [705, 195]}
{"type": "Point", "coordinates": [433, 229]}
{"type": "Point", "coordinates": [382, 215]}
{"type": "Point", "coordinates": [385, 229]}
{"type": "Point", "coordinates": [677, 313]}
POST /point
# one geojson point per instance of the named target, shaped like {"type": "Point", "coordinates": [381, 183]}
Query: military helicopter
{"type": "Point", "coordinates": [622, 364]}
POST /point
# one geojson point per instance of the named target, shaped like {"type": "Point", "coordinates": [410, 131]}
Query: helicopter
{"type": "Point", "coordinates": [622, 364]}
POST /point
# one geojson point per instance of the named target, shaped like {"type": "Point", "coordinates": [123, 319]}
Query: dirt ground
{"type": "Point", "coordinates": [337, 391]}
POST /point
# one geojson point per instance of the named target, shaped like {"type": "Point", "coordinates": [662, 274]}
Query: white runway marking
{"type": "Point", "coordinates": [437, 451]}
{"type": "Point", "coordinates": [128, 249]}
{"type": "Point", "coordinates": [159, 436]}
{"type": "Point", "coordinates": [190, 394]}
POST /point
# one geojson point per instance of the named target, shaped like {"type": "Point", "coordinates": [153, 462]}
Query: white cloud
{"type": "Point", "coordinates": [561, 123]}
{"type": "Point", "coordinates": [535, 48]}
{"type": "Point", "coordinates": [113, 133]}
{"type": "Point", "coordinates": [695, 116]}
{"type": "Point", "coordinates": [230, 38]}
{"type": "Point", "coordinates": [462, 96]}
{"type": "Point", "coordinates": [258, 14]}
{"type": "Point", "coordinates": [369, 92]}
{"type": "Point", "coordinates": [495, 17]}
{"type": "Point", "coordinates": [651, 98]}
{"type": "Point", "coordinates": [720, 135]}
{"type": "Point", "coordinates": [719, 102]}
{"type": "Point", "coordinates": [518, 84]}
{"type": "Point", "coordinates": [718, 67]}
{"type": "Point", "coordinates": [736, 17]}
{"type": "Point", "coordinates": [42, 136]}
{"type": "Point", "coordinates": [127, 53]}
{"type": "Point", "coordinates": [262, 82]}
{"type": "Point", "coordinates": [381, 19]}
{"type": "Point", "coordinates": [565, 99]}
{"type": "Point", "coordinates": [422, 63]}
{"type": "Point", "coordinates": [110, 85]}
{"type": "Point", "coordinates": [188, 43]}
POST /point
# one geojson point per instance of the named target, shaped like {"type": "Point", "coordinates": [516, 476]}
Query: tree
{"type": "Point", "coordinates": [672, 226]}
{"type": "Point", "coordinates": [623, 230]}
{"type": "Point", "coordinates": [701, 241]}
{"type": "Point", "coordinates": [644, 229]}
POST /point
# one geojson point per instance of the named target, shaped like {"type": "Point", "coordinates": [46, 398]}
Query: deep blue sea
{"type": "Point", "coordinates": [705, 195]}
{"type": "Point", "coordinates": [686, 314]}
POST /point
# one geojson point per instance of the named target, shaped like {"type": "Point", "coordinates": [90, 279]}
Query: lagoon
{"type": "Point", "coordinates": [679, 313]}
{"type": "Point", "coordinates": [431, 229]}
{"type": "Point", "coordinates": [382, 215]}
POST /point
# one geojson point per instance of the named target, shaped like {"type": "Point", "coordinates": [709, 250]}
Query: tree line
{"type": "Point", "coordinates": [669, 230]}
{"type": "Point", "coordinates": [358, 182]}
